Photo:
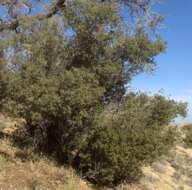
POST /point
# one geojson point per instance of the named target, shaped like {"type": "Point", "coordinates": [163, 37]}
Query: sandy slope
{"type": "Point", "coordinates": [174, 172]}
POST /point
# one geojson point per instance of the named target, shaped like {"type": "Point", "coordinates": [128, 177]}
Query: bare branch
{"type": "Point", "coordinates": [15, 22]}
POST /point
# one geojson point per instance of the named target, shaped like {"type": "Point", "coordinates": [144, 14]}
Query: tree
{"type": "Point", "coordinates": [63, 71]}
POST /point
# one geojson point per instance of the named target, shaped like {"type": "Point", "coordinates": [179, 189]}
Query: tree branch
{"type": "Point", "coordinates": [13, 24]}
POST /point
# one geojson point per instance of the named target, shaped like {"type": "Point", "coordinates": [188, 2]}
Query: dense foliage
{"type": "Point", "coordinates": [67, 77]}
{"type": "Point", "coordinates": [187, 130]}
{"type": "Point", "coordinates": [127, 137]}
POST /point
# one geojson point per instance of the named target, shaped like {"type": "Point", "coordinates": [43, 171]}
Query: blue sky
{"type": "Point", "coordinates": [174, 68]}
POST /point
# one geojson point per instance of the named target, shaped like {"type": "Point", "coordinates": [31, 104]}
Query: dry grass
{"type": "Point", "coordinates": [34, 174]}
{"type": "Point", "coordinates": [21, 169]}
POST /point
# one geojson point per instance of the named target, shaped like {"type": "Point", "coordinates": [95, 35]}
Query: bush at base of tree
{"type": "Point", "coordinates": [126, 138]}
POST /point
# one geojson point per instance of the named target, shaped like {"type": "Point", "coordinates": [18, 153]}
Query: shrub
{"type": "Point", "coordinates": [187, 129]}
{"type": "Point", "coordinates": [125, 139]}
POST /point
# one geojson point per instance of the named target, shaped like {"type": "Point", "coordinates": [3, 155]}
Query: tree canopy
{"type": "Point", "coordinates": [15, 11]}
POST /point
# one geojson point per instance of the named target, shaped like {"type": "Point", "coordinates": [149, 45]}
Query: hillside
{"type": "Point", "coordinates": [22, 169]}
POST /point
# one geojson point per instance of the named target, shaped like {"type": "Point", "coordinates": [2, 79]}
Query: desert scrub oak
{"type": "Point", "coordinates": [127, 137]}
{"type": "Point", "coordinates": [67, 75]}
{"type": "Point", "coordinates": [64, 70]}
